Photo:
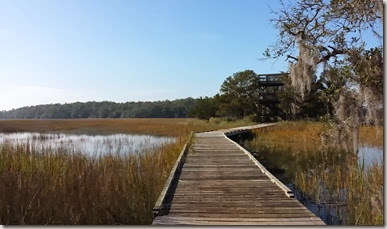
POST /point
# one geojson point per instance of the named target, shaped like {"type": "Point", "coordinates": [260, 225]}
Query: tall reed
{"type": "Point", "coordinates": [331, 177]}
{"type": "Point", "coordinates": [55, 186]}
{"type": "Point", "coordinates": [43, 185]}
{"type": "Point", "coordinates": [153, 126]}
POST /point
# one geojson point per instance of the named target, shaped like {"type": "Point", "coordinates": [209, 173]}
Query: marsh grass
{"type": "Point", "coordinates": [158, 126]}
{"type": "Point", "coordinates": [153, 126]}
{"type": "Point", "coordinates": [44, 185]}
{"type": "Point", "coordinates": [197, 125]}
{"type": "Point", "coordinates": [333, 178]}
{"type": "Point", "coordinates": [55, 186]}
{"type": "Point", "coordinates": [371, 135]}
{"type": "Point", "coordinates": [90, 144]}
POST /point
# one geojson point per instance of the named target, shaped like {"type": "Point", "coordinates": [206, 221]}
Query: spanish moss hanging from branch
{"type": "Point", "coordinates": [314, 33]}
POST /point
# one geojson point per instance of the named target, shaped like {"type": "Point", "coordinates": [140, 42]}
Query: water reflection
{"type": "Point", "coordinates": [333, 184]}
{"type": "Point", "coordinates": [370, 155]}
{"type": "Point", "coordinates": [91, 145]}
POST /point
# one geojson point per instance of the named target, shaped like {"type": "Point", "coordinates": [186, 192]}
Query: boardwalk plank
{"type": "Point", "coordinates": [241, 215]}
{"type": "Point", "coordinates": [219, 184]}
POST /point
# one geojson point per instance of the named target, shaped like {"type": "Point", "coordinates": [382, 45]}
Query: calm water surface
{"type": "Point", "coordinates": [288, 163]}
{"type": "Point", "coordinates": [370, 155]}
{"type": "Point", "coordinates": [92, 145]}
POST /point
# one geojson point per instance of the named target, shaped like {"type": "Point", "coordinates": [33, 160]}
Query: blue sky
{"type": "Point", "coordinates": [65, 51]}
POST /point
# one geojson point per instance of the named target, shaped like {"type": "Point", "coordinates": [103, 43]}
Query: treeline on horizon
{"type": "Point", "coordinates": [178, 108]}
{"type": "Point", "coordinates": [238, 98]}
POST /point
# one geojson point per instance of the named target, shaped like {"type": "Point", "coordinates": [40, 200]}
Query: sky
{"type": "Point", "coordinates": [59, 51]}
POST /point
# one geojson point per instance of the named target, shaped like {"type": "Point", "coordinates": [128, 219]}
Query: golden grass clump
{"type": "Point", "coordinates": [371, 135]}
{"type": "Point", "coordinates": [332, 177]}
{"type": "Point", "coordinates": [55, 186]}
{"type": "Point", "coordinates": [154, 126]}
{"type": "Point", "coordinates": [308, 132]}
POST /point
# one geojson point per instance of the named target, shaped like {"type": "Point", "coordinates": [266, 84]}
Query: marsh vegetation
{"type": "Point", "coordinates": [53, 184]}
{"type": "Point", "coordinates": [339, 186]}
{"type": "Point", "coordinates": [90, 145]}
{"type": "Point", "coordinates": [90, 171]}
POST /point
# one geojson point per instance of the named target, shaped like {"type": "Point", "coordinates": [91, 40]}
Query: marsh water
{"type": "Point", "coordinates": [91, 145]}
{"type": "Point", "coordinates": [315, 173]}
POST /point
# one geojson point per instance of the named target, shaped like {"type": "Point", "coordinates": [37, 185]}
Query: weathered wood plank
{"type": "Point", "coordinates": [244, 211]}
{"type": "Point", "coordinates": [241, 215]}
{"type": "Point", "coordinates": [239, 207]}
{"type": "Point", "coordinates": [223, 184]}
{"type": "Point", "coordinates": [167, 187]}
{"type": "Point", "coordinates": [192, 221]}
{"type": "Point", "coordinates": [225, 200]}
{"type": "Point", "coordinates": [230, 219]}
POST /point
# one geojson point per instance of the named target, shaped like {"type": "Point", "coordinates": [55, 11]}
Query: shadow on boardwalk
{"type": "Point", "coordinates": [217, 182]}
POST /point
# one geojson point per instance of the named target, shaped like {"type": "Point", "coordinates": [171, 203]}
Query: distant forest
{"type": "Point", "coordinates": [178, 108]}
{"type": "Point", "coordinates": [238, 98]}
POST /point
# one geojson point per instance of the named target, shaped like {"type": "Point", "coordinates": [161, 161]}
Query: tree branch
{"type": "Point", "coordinates": [334, 53]}
{"type": "Point", "coordinates": [291, 57]}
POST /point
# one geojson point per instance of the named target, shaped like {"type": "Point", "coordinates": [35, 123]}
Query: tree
{"type": "Point", "coordinates": [204, 108]}
{"type": "Point", "coordinates": [158, 109]}
{"type": "Point", "coordinates": [239, 92]}
{"type": "Point", "coordinates": [311, 106]}
{"type": "Point", "coordinates": [229, 106]}
{"type": "Point", "coordinates": [328, 34]}
{"type": "Point", "coordinates": [322, 32]}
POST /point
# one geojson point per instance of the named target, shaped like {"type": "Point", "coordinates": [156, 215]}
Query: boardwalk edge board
{"type": "Point", "coordinates": [288, 192]}
{"type": "Point", "coordinates": [201, 190]}
{"type": "Point", "coordinates": [179, 162]}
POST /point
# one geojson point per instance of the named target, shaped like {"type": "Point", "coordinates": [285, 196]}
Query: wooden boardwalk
{"type": "Point", "coordinates": [217, 182]}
